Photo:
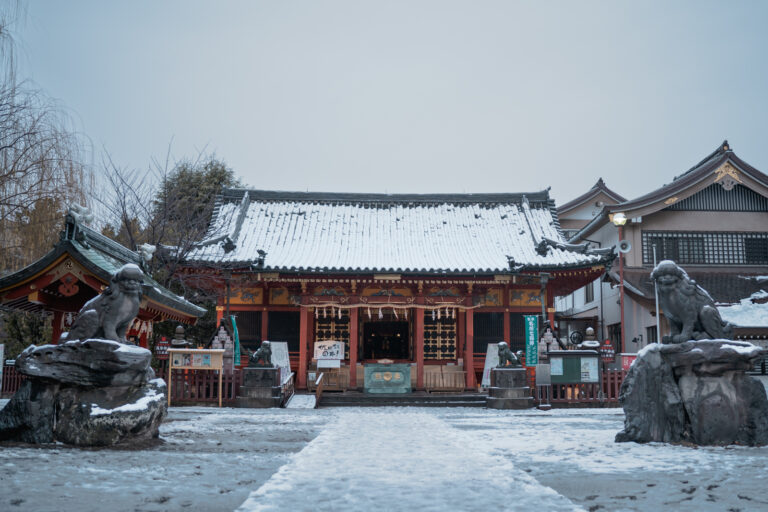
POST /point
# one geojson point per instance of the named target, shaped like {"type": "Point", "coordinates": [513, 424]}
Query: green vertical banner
{"type": "Point", "coordinates": [236, 357]}
{"type": "Point", "coordinates": [531, 340]}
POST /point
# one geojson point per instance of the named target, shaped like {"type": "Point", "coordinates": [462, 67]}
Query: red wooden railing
{"type": "Point", "coordinates": [201, 386]}
{"type": "Point", "coordinates": [196, 386]}
{"type": "Point", "coordinates": [605, 393]}
{"type": "Point", "coordinates": [12, 379]}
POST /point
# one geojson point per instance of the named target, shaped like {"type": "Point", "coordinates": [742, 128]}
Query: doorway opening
{"type": "Point", "coordinates": [386, 340]}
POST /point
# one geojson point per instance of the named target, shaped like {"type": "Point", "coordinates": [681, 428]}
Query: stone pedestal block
{"type": "Point", "coordinates": [261, 388]}
{"type": "Point", "coordinates": [509, 389]}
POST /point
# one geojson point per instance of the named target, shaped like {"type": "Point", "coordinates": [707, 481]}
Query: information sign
{"type": "Point", "coordinates": [491, 361]}
{"type": "Point", "coordinates": [531, 340]}
{"type": "Point", "coordinates": [329, 350]}
{"type": "Point", "coordinates": [556, 365]}
{"type": "Point", "coordinates": [589, 369]}
{"type": "Point", "coordinates": [195, 359]}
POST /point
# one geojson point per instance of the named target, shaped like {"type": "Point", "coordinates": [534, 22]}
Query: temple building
{"type": "Point", "coordinates": [78, 268]}
{"type": "Point", "coordinates": [425, 280]}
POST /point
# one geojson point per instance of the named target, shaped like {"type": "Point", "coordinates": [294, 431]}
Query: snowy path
{"type": "Point", "coordinates": [301, 402]}
{"type": "Point", "coordinates": [389, 459]}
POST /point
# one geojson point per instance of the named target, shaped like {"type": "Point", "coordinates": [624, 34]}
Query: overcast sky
{"type": "Point", "coordinates": [412, 96]}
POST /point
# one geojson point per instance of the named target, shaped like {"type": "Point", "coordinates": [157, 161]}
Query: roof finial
{"type": "Point", "coordinates": [726, 146]}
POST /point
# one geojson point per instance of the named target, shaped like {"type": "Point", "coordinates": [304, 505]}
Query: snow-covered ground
{"type": "Point", "coordinates": [387, 459]}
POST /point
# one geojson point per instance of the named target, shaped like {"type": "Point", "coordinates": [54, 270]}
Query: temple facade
{"type": "Point", "coordinates": [421, 280]}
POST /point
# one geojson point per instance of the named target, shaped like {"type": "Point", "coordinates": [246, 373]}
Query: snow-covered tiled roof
{"type": "Point", "coordinates": [447, 233]}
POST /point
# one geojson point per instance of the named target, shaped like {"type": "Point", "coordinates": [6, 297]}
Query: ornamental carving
{"type": "Point", "coordinates": [727, 176]}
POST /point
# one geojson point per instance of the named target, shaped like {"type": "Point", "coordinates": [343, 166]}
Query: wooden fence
{"type": "Point", "coordinates": [605, 393]}
{"type": "Point", "coordinates": [201, 386]}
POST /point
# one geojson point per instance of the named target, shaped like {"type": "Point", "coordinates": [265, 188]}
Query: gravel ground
{"type": "Point", "coordinates": [211, 459]}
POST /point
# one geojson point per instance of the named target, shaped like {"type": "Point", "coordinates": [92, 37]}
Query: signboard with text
{"type": "Point", "coordinates": [329, 350]}
{"type": "Point", "coordinates": [531, 340]}
{"type": "Point", "coordinates": [280, 358]}
{"type": "Point", "coordinates": [491, 361]}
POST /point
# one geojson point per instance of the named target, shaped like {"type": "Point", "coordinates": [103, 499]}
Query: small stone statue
{"type": "Point", "coordinates": [264, 354]}
{"type": "Point", "coordinates": [690, 310]}
{"type": "Point", "coordinates": [109, 315]}
{"type": "Point", "coordinates": [507, 356]}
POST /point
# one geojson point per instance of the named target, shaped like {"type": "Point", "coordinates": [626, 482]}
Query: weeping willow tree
{"type": "Point", "coordinates": [42, 160]}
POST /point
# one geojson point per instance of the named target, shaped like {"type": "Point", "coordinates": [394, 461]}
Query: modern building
{"type": "Point", "coordinates": [712, 220]}
{"type": "Point", "coordinates": [425, 280]}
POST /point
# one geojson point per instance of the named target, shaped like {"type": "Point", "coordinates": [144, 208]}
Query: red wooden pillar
{"type": "Point", "coordinates": [353, 337]}
{"type": "Point", "coordinates": [507, 330]}
{"type": "Point", "coordinates": [469, 350]}
{"type": "Point", "coordinates": [419, 345]}
{"type": "Point", "coordinates": [58, 319]}
{"type": "Point", "coordinates": [264, 325]}
{"type": "Point", "coordinates": [301, 378]}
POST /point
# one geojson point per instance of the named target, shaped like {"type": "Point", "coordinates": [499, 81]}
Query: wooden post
{"type": "Point", "coordinates": [58, 318]}
{"type": "Point", "coordinates": [507, 330]}
{"type": "Point", "coordinates": [469, 351]}
{"type": "Point", "coordinates": [301, 378]}
{"type": "Point", "coordinates": [170, 373]}
{"type": "Point", "coordinates": [264, 325]}
{"type": "Point", "coordinates": [221, 372]}
{"type": "Point", "coordinates": [419, 345]}
{"type": "Point", "coordinates": [353, 337]}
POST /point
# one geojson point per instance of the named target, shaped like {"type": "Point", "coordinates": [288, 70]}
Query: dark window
{"type": "Point", "coordinates": [756, 250]}
{"type": "Point", "coordinates": [589, 292]}
{"type": "Point", "coordinates": [249, 328]}
{"type": "Point", "coordinates": [517, 332]}
{"type": "Point", "coordinates": [651, 335]}
{"type": "Point", "coordinates": [614, 334]}
{"type": "Point", "coordinates": [715, 248]}
{"type": "Point", "coordinates": [488, 328]}
{"type": "Point", "coordinates": [284, 326]}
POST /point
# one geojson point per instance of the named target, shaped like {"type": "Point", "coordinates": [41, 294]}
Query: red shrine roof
{"type": "Point", "coordinates": [406, 233]}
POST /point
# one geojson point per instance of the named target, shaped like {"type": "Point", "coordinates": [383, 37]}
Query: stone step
{"type": "Point", "coordinates": [356, 399]}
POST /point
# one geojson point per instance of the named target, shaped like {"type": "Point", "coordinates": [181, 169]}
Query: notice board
{"type": "Point", "coordinates": [574, 366]}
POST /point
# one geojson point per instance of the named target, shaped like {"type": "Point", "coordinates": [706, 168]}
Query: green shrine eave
{"type": "Point", "coordinates": [102, 257]}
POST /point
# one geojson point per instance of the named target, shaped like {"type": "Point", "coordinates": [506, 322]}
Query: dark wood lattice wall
{"type": "Point", "coordinates": [330, 327]}
{"type": "Point", "coordinates": [439, 337]}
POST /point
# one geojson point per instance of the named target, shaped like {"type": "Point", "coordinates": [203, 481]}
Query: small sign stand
{"type": "Point", "coordinates": [195, 359]}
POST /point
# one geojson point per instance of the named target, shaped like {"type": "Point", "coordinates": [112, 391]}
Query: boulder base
{"type": "Point", "coordinates": [62, 400]}
{"type": "Point", "coordinates": [695, 392]}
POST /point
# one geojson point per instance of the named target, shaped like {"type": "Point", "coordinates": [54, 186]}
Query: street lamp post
{"type": "Point", "coordinates": [619, 219]}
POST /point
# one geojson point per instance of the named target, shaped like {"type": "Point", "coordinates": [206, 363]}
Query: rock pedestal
{"type": "Point", "coordinates": [261, 388]}
{"type": "Point", "coordinates": [87, 393]}
{"type": "Point", "coordinates": [696, 392]}
{"type": "Point", "coordinates": [509, 389]}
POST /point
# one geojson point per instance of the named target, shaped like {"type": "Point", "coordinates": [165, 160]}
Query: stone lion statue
{"type": "Point", "coordinates": [109, 315]}
{"type": "Point", "coordinates": [507, 356]}
{"type": "Point", "coordinates": [690, 310]}
{"type": "Point", "coordinates": [264, 354]}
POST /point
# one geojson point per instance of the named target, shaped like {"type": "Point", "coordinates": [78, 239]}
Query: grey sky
{"type": "Point", "coordinates": [412, 96]}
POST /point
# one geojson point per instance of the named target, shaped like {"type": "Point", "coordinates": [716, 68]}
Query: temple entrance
{"type": "Point", "coordinates": [386, 339]}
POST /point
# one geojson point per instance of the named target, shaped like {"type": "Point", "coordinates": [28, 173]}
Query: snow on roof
{"type": "Point", "coordinates": [364, 232]}
{"type": "Point", "coordinates": [747, 313]}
